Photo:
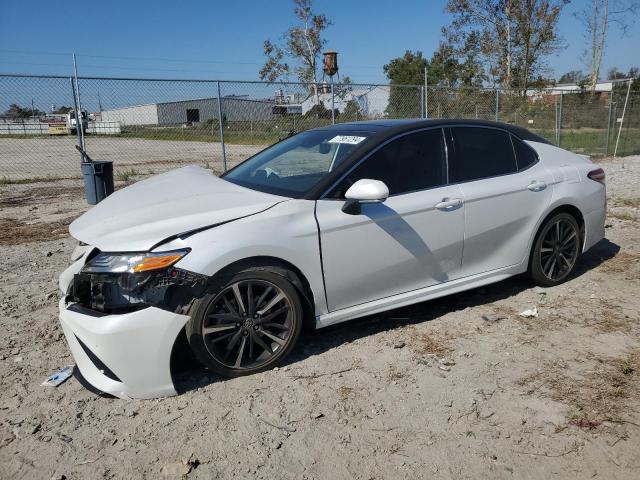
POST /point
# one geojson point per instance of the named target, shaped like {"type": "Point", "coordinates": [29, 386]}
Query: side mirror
{"type": "Point", "coordinates": [364, 191]}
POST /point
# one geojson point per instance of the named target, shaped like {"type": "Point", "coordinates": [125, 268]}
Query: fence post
{"type": "Point", "coordinates": [75, 103]}
{"type": "Point", "coordinates": [426, 94]}
{"type": "Point", "coordinates": [221, 123]}
{"type": "Point", "coordinates": [78, 105]}
{"type": "Point", "coordinates": [560, 118]}
{"type": "Point", "coordinates": [333, 110]}
{"type": "Point", "coordinates": [422, 102]}
{"type": "Point", "coordinates": [606, 148]}
{"type": "Point", "coordinates": [624, 110]}
{"type": "Point", "coordinates": [555, 111]}
{"type": "Point", "coordinates": [497, 102]}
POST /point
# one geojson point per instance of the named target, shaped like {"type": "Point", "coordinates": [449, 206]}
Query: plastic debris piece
{"type": "Point", "coordinates": [60, 376]}
{"type": "Point", "coordinates": [530, 313]}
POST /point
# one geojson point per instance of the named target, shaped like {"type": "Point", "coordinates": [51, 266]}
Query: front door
{"type": "Point", "coordinates": [410, 241]}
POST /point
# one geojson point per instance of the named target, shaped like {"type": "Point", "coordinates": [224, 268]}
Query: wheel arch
{"type": "Point", "coordinates": [282, 267]}
{"type": "Point", "coordinates": [569, 208]}
{"type": "Point", "coordinates": [181, 353]}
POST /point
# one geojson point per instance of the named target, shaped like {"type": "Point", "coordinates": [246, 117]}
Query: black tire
{"type": "Point", "coordinates": [246, 339]}
{"type": "Point", "coordinates": [555, 251]}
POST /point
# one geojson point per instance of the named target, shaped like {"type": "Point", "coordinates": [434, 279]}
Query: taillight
{"type": "Point", "coordinates": [597, 175]}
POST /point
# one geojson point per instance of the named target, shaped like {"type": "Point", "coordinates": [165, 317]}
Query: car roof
{"type": "Point", "coordinates": [391, 127]}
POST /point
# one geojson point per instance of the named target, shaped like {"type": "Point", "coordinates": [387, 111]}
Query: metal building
{"type": "Point", "coordinates": [372, 100]}
{"type": "Point", "coordinates": [191, 111]}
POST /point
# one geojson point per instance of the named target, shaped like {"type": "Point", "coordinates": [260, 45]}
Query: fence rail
{"type": "Point", "coordinates": [146, 126]}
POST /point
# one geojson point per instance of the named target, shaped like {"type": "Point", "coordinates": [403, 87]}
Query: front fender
{"type": "Point", "coordinates": [288, 232]}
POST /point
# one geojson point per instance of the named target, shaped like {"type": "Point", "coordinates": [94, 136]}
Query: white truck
{"type": "Point", "coordinates": [72, 121]}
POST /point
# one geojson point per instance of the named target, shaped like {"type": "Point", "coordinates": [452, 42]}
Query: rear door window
{"type": "Point", "coordinates": [480, 153]}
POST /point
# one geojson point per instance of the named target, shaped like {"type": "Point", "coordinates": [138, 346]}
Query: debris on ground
{"type": "Point", "coordinates": [493, 318]}
{"type": "Point", "coordinates": [59, 377]}
{"type": "Point", "coordinates": [530, 313]}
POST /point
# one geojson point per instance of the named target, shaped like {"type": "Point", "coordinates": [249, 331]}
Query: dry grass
{"type": "Point", "coordinates": [623, 215]}
{"type": "Point", "coordinates": [626, 202]}
{"type": "Point", "coordinates": [40, 195]}
{"type": "Point", "coordinates": [346, 392]}
{"type": "Point", "coordinates": [610, 317]}
{"type": "Point", "coordinates": [14, 231]}
{"type": "Point", "coordinates": [603, 315]}
{"type": "Point", "coordinates": [601, 394]}
{"type": "Point", "coordinates": [4, 180]}
{"type": "Point", "coordinates": [621, 263]}
{"type": "Point", "coordinates": [425, 344]}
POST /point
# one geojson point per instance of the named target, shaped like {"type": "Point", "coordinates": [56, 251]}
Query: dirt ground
{"type": "Point", "coordinates": [430, 391]}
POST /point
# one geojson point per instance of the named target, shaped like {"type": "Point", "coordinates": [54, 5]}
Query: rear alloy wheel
{"type": "Point", "coordinates": [556, 250]}
{"type": "Point", "coordinates": [247, 325]}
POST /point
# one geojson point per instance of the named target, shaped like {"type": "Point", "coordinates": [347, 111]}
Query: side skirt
{"type": "Point", "coordinates": [417, 296]}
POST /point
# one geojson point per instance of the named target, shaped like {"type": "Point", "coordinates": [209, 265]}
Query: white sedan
{"type": "Point", "coordinates": [325, 226]}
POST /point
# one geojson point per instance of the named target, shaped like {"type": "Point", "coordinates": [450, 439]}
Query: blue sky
{"type": "Point", "coordinates": [223, 40]}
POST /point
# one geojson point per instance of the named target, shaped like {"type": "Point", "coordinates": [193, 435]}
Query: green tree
{"type": "Point", "coordinates": [300, 49]}
{"type": "Point", "coordinates": [352, 110]}
{"type": "Point", "coordinates": [597, 18]}
{"type": "Point", "coordinates": [405, 70]}
{"type": "Point", "coordinates": [15, 111]}
{"type": "Point", "coordinates": [62, 109]}
{"type": "Point", "coordinates": [513, 38]}
{"type": "Point", "coordinates": [318, 111]}
{"type": "Point", "coordinates": [444, 68]}
{"type": "Point", "coordinates": [573, 76]}
{"type": "Point", "coordinates": [470, 70]}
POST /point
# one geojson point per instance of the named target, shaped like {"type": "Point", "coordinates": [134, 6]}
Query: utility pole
{"type": "Point", "coordinates": [426, 94]}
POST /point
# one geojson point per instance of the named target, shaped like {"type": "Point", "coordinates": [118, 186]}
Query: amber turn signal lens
{"type": "Point", "coordinates": [156, 262]}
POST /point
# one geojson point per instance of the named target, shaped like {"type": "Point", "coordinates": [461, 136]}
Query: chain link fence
{"type": "Point", "coordinates": [150, 126]}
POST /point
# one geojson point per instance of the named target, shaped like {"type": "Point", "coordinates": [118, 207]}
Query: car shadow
{"type": "Point", "coordinates": [190, 376]}
{"type": "Point", "coordinates": [394, 225]}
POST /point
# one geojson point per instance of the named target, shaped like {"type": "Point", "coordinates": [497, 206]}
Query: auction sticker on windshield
{"type": "Point", "coordinates": [350, 139]}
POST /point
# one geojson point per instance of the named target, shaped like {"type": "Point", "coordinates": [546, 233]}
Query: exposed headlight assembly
{"type": "Point", "coordinates": [132, 262]}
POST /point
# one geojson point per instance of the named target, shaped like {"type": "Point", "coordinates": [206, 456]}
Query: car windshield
{"type": "Point", "coordinates": [293, 166]}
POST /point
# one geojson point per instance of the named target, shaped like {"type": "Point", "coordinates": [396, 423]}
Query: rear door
{"type": "Point", "coordinates": [506, 190]}
{"type": "Point", "coordinates": [410, 241]}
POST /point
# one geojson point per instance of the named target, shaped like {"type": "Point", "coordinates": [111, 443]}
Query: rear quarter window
{"type": "Point", "coordinates": [525, 155]}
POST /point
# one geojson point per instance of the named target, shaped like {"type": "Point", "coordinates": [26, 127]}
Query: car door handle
{"type": "Point", "coordinates": [536, 186]}
{"type": "Point", "coordinates": [449, 204]}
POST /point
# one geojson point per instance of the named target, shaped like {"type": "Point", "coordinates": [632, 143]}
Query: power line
{"type": "Point", "coordinates": [159, 59]}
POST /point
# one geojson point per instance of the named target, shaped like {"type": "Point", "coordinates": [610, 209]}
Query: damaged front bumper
{"type": "Point", "coordinates": [125, 353]}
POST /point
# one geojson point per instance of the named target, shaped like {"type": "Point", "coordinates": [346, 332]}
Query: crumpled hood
{"type": "Point", "coordinates": [140, 216]}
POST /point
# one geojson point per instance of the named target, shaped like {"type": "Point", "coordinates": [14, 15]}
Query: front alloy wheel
{"type": "Point", "coordinates": [246, 325]}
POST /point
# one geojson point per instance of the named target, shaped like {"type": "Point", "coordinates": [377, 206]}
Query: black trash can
{"type": "Point", "coordinates": [98, 180]}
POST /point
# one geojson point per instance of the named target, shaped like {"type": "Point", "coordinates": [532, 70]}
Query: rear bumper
{"type": "Point", "coordinates": [594, 227]}
{"type": "Point", "coordinates": [127, 355]}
